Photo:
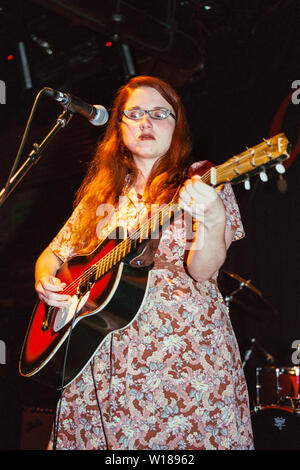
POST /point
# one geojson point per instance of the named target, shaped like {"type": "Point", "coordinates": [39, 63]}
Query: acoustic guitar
{"type": "Point", "coordinates": [106, 291]}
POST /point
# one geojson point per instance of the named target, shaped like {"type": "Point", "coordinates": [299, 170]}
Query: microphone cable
{"type": "Point", "coordinates": [58, 411]}
{"type": "Point", "coordinates": [98, 403]}
{"type": "Point", "coordinates": [23, 141]}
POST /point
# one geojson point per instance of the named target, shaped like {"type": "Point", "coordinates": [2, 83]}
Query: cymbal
{"type": "Point", "coordinates": [240, 294]}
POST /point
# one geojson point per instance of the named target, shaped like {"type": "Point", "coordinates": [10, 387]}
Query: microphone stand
{"type": "Point", "coordinates": [228, 299]}
{"type": "Point", "coordinates": [34, 155]}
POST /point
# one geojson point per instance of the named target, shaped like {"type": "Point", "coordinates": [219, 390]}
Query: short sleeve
{"type": "Point", "coordinates": [62, 245]}
{"type": "Point", "coordinates": [233, 217]}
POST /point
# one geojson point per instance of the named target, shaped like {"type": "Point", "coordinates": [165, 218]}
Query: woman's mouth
{"type": "Point", "coordinates": [146, 137]}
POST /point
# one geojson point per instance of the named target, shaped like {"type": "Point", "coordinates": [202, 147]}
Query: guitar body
{"type": "Point", "coordinates": [110, 304]}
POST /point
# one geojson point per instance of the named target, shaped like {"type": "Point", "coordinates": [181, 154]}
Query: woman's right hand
{"type": "Point", "coordinates": [49, 290]}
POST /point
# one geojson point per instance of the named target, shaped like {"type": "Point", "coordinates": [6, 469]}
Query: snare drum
{"type": "Point", "coordinates": [273, 383]}
{"type": "Point", "coordinates": [275, 428]}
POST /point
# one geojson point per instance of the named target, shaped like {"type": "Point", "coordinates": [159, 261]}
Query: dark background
{"type": "Point", "coordinates": [233, 63]}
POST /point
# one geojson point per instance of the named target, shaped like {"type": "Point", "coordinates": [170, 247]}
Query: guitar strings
{"type": "Point", "coordinates": [116, 251]}
{"type": "Point", "coordinates": [121, 247]}
{"type": "Point", "coordinates": [133, 237]}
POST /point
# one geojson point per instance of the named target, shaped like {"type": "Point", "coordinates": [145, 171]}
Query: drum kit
{"type": "Point", "coordinates": [275, 412]}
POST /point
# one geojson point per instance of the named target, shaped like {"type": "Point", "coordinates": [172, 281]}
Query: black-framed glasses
{"type": "Point", "coordinates": [157, 113]}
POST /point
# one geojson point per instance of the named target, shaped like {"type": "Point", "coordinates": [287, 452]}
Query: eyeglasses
{"type": "Point", "coordinates": [158, 113]}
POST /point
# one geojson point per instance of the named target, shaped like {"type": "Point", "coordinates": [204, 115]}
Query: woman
{"type": "Point", "coordinates": [171, 379]}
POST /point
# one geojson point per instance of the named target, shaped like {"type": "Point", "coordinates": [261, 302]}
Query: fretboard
{"type": "Point", "coordinates": [150, 229]}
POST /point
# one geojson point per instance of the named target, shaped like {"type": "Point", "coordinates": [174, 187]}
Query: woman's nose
{"type": "Point", "coordinates": [145, 121]}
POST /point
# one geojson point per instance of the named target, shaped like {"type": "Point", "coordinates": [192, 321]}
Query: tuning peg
{"type": "Point", "coordinates": [268, 142]}
{"type": "Point", "coordinates": [247, 184]}
{"type": "Point", "coordinates": [263, 176]}
{"type": "Point", "coordinates": [280, 168]}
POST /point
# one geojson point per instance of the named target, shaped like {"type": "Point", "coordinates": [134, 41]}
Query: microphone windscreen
{"type": "Point", "coordinates": [101, 116]}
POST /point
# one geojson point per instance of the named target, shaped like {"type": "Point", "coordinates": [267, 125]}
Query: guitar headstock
{"type": "Point", "coordinates": [256, 160]}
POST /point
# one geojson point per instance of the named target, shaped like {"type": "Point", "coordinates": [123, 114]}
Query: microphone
{"type": "Point", "coordinates": [96, 114]}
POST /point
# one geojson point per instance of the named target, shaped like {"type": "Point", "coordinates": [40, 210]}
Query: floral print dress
{"type": "Point", "coordinates": [171, 379]}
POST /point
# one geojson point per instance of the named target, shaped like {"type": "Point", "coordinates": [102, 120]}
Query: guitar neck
{"type": "Point", "coordinates": [239, 168]}
{"type": "Point", "coordinates": [152, 228]}
{"type": "Point", "coordinates": [149, 229]}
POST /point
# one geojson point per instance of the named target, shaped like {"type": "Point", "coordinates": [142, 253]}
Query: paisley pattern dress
{"type": "Point", "coordinates": [171, 379]}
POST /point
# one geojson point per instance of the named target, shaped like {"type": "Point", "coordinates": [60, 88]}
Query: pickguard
{"type": "Point", "coordinates": [66, 314]}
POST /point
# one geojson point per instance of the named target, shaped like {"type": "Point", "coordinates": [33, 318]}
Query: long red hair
{"type": "Point", "coordinates": [113, 163]}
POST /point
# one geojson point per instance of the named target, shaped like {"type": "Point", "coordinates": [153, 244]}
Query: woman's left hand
{"type": "Point", "coordinates": [202, 202]}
